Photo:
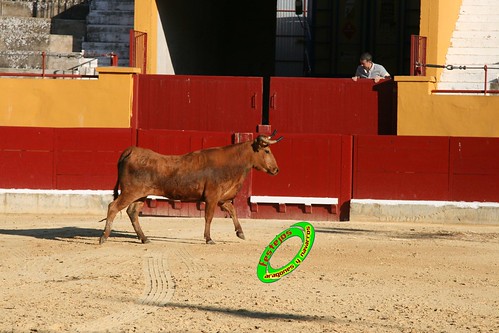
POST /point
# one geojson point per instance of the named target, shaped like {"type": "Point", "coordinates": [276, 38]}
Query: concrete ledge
{"type": "Point", "coordinates": [118, 70]}
{"type": "Point", "coordinates": [89, 202]}
{"type": "Point", "coordinates": [431, 79]}
{"type": "Point", "coordinates": [424, 211]}
{"type": "Point", "coordinates": [24, 201]}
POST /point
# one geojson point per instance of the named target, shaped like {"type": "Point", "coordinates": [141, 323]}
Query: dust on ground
{"type": "Point", "coordinates": [358, 277]}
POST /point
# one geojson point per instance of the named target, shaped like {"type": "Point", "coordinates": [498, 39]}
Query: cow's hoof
{"type": "Point", "coordinates": [240, 234]}
{"type": "Point", "coordinates": [210, 241]}
{"type": "Point", "coordinates": [102, 240]}
{"type": "Point", "coordinates": [145, 241]}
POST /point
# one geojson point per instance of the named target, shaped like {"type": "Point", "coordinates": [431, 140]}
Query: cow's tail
{"type": "Point", "coordinates": [121, 164]}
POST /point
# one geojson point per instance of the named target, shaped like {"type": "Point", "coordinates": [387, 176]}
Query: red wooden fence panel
{"type": "Point", "coordinates": [317, 165]}
{"type": "Point", "coordinates": [26, 157]}
{"type": "Point", "coordinates": [401, 168]}
{"type": "Point", "coordinates": [203, 103]}
{"type": "Point", "coordinates": [336, 106]}
{"type": "Point", "coordinates": [58, 158]}
{"type": "Point", "coordinates": [474, 172]}
{"type": "Point", "coordinates": [86, 158]}
{"type": "Point", "coordinates": [172, 142]}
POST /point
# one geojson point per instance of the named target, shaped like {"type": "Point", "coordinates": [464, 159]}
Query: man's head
{"type": "Point", "coordinates": [366, 60]}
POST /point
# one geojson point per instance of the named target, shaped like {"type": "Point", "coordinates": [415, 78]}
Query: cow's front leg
{"type": "Point", "coordinates": [208, 217]}
{"type": "Point", "coordinates": [133, 212]}
{"type": "Point", "coordinates": [229, 208]}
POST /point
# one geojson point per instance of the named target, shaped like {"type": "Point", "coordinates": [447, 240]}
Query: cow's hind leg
{"type": "Point", "coordinates": [133, 212]}
{"type": "Point", "coordinates": [114, 208]}
{"type": "Point", "coordinates": [229, 207]}
{"type": "Point", "coordinates": [208, 217]}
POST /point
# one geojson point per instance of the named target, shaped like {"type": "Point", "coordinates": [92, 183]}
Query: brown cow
{"type": "Point", "coordinates": [212, 175]}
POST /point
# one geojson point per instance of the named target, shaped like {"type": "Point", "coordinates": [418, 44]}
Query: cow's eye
{"type": "Point", "coordinates": [267, 151]}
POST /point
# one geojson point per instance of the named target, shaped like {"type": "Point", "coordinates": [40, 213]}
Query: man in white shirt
{"type": "Point", "coordinates": [369, 70]}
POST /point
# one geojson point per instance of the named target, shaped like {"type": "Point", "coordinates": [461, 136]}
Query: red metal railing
{"type": "Point", "coordinates": [138, 50]}
{"type": "Point", "coordinates": [419, 65]}
{"type": "Point", "coordinates": [485, 68]}
{"type": "Point", "coordinates": [43, 74]}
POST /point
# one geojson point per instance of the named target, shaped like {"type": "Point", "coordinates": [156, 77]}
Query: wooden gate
{"type": "Point", "coordinates": [333, 106]}
{"type": "Point", "coordinates": [200, 103]}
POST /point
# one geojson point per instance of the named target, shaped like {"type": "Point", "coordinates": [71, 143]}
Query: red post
{"type": "Point", "coordinates": [114, 59]}
{"type": "Point", "coordinates": [131, 56]}
{"type": "Point", "coordinates": [44, 56]}
{"type": "Point", "coordinates": [134, 121]}
{"type": "Point", "coordinates": [418, 55]}
{"type": "Point", "coordinates": [144, 61]}
{"type": "Point", "coordinates": [485, 68]}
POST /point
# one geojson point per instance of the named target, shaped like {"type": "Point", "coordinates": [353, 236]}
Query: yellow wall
{"type": "Point", "coordinates": [105, 102]}
{"type": "Point", "coordinates": [438, 20]}
{"type": "Point", "coordinates": [423, 113]}
{"type": "Point", "coordinates": [146, 20]}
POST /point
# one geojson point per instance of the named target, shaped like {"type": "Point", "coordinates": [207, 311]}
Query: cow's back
{"type": "Point", "coordinates": [186, 177]}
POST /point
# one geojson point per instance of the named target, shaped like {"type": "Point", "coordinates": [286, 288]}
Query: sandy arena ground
{"type": "Point", "coordinates": [358, 277]}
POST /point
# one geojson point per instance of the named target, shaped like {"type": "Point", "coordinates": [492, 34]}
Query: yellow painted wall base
{"type": "Point", "coordinates": [422, 113]}
{"type": "Point", "coordinates": [36, 102]}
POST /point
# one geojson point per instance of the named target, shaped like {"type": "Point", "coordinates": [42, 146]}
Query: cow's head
{"type": "Point", "coordinates": [264, 159]}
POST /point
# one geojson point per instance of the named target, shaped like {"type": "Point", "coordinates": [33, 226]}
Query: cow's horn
{"type": "Point", "coordinates": [272, 135]}
{"type": "Point", "coordinates": [274, 141]}
{"type": "Point", "coordinates": [268, 141]}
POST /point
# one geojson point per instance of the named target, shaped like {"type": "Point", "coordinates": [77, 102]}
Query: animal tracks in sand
{"type": "Point", "coordinates": [159, 288]}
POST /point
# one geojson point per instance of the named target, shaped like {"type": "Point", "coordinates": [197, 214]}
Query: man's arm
{"type": "Point", "coordinates": [358, 73]}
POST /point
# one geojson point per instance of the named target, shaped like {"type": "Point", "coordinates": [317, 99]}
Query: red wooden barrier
{"type": "Point", "coordinates": [55, 158]}
{"type": "Point", "coordinates": [317, 165]}
{"type": "Point", "coordinates": [401, 168]}
{"type": "Point", "coordinates": [336, 106]}
{"type": "Point", "coordinates": [26, 158]}
{"type": "Point", "coordinates": [203, 103]}
{"type": "Point", "coordinates": [312, 166]}
{"type": "Point", "coordinates": [85, 158]}
{"type": "Point", "coordinates": [474, 169]}
{"type": "Point", "coordinates": [171, 142]}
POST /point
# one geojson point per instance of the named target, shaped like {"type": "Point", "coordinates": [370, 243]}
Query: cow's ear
{"type": "Point", "coordinates": [256, 145]}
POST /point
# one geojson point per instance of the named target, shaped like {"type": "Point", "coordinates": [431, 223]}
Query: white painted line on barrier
{"type": "Point", "coordinates": [459, 204]}
{"type": "Point", "coordinates": [65, 192]}
{"type": "Point", "coordinates": [280, 199]}
{"type": "Point", "coordinates": [293, 200]}
{"type": "Point", "coordinates": [157, 197]}
{"type": "Point", "coordinates": [56, 192]}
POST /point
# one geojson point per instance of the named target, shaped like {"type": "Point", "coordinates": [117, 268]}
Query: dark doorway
{"type": "Point", "coordinates": [220, 37]}
{"type": "Point", "coordinates": [343, 29]}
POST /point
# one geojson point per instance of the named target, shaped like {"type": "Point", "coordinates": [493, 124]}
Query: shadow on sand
{"type": "Point", "coordinates": [62, 233]}
{"type": "Point", "coordinates": [246, 313]}
{"type": "Point", "coordinates": [342, 230]}
{"type": "Point", "coordinates": [74, 233]}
